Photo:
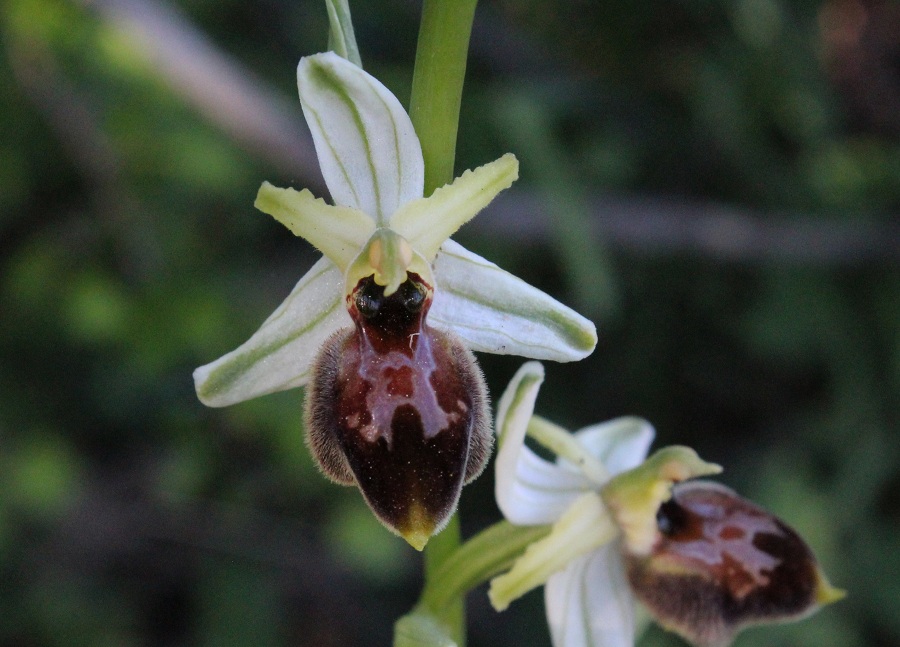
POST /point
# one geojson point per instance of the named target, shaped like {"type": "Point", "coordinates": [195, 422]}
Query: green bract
{"type": "Point", "coordinates": [382, 225]}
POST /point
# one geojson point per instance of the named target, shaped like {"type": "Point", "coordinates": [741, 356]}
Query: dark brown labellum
{"type": "Point", "coordinates": [400, 409]}
{"type": "Point", "coordinates": [721, 563]}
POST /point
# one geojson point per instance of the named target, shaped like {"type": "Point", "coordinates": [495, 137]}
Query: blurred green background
{"type": "Point", "coordinates": [715, 182]}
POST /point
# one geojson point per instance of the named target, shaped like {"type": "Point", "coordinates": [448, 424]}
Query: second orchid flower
{"type": "Point", "coordinates": [703, 561]}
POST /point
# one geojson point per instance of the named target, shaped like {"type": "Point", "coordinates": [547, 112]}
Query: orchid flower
{"type": "Point", "coordinates": [382, 327]}
{"type": "Point", "coordinates": [702, 560]}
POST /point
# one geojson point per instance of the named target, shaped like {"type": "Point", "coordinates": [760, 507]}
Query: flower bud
{"type": "Point", "coordinates": [719, 563]}
{"type": "Point", "coordinates": [399, 409]}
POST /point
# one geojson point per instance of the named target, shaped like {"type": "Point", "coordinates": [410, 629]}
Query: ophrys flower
{"type": "Point", "coordinates": [384, 324]}
{"type": "Point", "coordinates": [704, 561]}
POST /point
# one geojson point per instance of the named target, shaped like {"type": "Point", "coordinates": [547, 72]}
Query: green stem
{"type": "Point", "coordinates": [437, 552]}
{"type": "Point", "coordinates": [438, 82]}
{"type": "Point", "coordinates": [482, 557]}
{"type": "Point", "coordinates": [341, 39]}
{"type": "Point", "coordinates": [434, 109]}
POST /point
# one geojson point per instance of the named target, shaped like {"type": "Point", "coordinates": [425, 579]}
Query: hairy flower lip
{"type": "Point", "coordinates": [721, 563]}
{"type": "Point", "coordinates": [403, 416]}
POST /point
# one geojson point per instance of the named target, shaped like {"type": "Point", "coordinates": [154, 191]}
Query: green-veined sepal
{"type": "Point", "coordinates": [528, 489]}
{"type": "Point", "coordinates": [496, 312]}
{"type": "Point", "coordinates": [280, 354]}
{"type": "Point", "coordinates": [589, 603]}
{"type": "Point", "coordinates": [369, 153]}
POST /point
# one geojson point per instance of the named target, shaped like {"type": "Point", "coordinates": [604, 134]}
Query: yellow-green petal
{"type": "Point", "coordinates": [428, 222]}
{"type": "Point", "coordinates": [585, 526]}
{"type": "Point", "coordinates": [634, 496]}
{"type": "Point", "coordinates": [562, 443]}
{"type": "Point", "coordinates": [337, 232]}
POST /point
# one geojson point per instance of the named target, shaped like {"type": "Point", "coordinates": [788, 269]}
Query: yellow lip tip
{"type": "Point", "coordinates": [830, 595]}
{"type": "Point", "coordinates": [825, 593]}
{"type": "Point", "coordinates": [417, 539]}
{"type": "Point", "coordinates": [419, 526]}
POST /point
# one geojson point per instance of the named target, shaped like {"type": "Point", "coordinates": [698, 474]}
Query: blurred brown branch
{"type": "Point", "coordinates": [663, 226]}
{"type": "Point", "coordinates": [265, 123]}
{"type": "Point", "coordinates": [260, 119]}
{"type": "Point", "coordinates": [68, 113]}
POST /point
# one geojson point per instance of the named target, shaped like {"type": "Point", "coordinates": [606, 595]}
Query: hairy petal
{"type": "Point", "coordinates": [495, 312]}
{"type": "Point", "coordinates": [368, 150]}
{"type": "Point", "coordinates": [589, 604]}
{"type": "Point", "coordinates": [280, 354]}
{"type": "Point", "coordinates": [428, 222]}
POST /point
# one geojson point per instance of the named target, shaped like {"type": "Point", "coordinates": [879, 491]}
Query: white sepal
{"type": "Point", "coordinates": [589, 604]}
{"type": "Point", "coordinates": [495, 312]}
{"type": "Point", "coordinates": [280, 354]}
{"type": "Point", "coordinates": [536, 492]}
{"type": "Point", "coordinates": [516, 405]}
{"type": "Point", "coordinates": [620, 444]}
{"type": "Point", "coordinates": [529, 490]}
{"type": "Point", "coordinates": [368, 150]}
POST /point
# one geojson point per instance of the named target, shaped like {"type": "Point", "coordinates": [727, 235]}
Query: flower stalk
{"type": "Point", "coordinates": [485, 555]}
{"type": "Point", "coordinates": [437, 84]}
{"type": "Point", "coordinates": [341, 39]}
{"type": "Point", "coordinates": [438, 77]}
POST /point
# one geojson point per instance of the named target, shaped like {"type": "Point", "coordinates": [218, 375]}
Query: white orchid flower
{"type": "Point", "coordinates": [587, 597]}
{"type": "Point", "coordinates": [702, 560]}
{"type": "Point", "coordinates": [372, 163]}
{"type": "Point", "coordinates": [382, 378]}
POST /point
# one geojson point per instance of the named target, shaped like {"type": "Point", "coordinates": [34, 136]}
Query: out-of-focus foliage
{"type": "Point", "coordinates": [130, 253]}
